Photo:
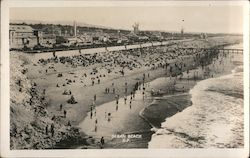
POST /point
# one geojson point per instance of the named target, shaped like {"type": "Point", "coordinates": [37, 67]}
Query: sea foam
{"type": "Point", "coordinates": [215, 119]}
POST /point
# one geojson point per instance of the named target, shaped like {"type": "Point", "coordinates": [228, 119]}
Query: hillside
{"type": "Point", "coordinates": [29, 116]}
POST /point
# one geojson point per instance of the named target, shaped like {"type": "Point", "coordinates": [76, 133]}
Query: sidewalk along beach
{"type": "Point", "coordinates": [73, 86]}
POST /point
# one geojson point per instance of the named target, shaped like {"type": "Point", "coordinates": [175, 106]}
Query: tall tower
{"type": "Point", "coordinates": [182, 28]}
{"type": "Point", "coordinates": [136, 28]}
{"type": "Point", "coordinates": [182, 31]}
{"type": "Point", "coordinates": [74, 28]}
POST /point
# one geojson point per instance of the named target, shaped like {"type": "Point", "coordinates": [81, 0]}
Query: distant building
{"type": "Point", "coordinates": [47, 40]}
{"type": "Point", "coordinates": [182, 31]}
{"type": "Point", "coordinates": [84, 40]}
{"type": "Point", "coordinates": [203, 35]}
{"type": "Point", "coordinates": [71, 41]}
{"type": "Point", "coordinates": [25, 36]}
{"type": "Point", "coordinates": [136, 28]}
{"type": "Point", "coordinates": [21, 36]}
{"type": "Point", "coordinates": [76, 41]}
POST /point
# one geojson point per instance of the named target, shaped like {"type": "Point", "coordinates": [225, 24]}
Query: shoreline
{"type": "Point", "coordinates": [174, 131]}
{"type": "Point", "coordinates": [223, 73]}
{"type": "Point", "coordinates": [180, 95]}
{"type": "Point", "coordinates": [139, 144]}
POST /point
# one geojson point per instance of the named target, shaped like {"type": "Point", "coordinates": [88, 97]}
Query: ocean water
{"type": "Point", "coordinates": [215, 119]}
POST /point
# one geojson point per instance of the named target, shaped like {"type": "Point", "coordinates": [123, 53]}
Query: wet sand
{"type": "Point", "coordinates": [143, 115]}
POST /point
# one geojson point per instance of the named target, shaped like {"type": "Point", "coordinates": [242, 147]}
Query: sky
{"type": "Point", "coordinates": [211, 19]}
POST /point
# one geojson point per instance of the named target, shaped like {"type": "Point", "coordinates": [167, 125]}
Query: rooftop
{"type": "Point", "coordinates": [21, 28]}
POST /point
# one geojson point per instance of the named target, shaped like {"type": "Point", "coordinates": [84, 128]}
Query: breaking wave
{"type": "Point", "coordinates": [215, 119]}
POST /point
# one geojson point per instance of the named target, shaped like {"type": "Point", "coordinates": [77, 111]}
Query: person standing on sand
{"type": "Point", "coordinates": [64, 113]}
{"type": "Point", "coordinates": [52, 129]}
{"type": "Point", "coordinates": [91, 114]}
{"type": "Point", "coordinates": [109, 117]}
{"type": "Point", "coordinates": [95, 128]}
{"type": "Point", "coordinates": [95, 97]}
{"type": "Point", "coordinates": [116, 108]}
{"type": "Point", "coordinates": [69, 124]}
{"type": "Point", "coordinates": [96, 125]}
{"type": "Point", "coordinates": [102, 142]}
{"type": "Point", "coordinates": [125, 99]}
{"type": "Point", "coordinates": [60, 107]}
{"type": "Point", "coordinates": [46, 129]}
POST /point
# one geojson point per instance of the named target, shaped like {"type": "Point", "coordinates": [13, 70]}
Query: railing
{"type": "Point", "coordinates": [214, 49]}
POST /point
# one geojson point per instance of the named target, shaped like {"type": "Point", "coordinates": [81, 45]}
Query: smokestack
{"type": "Point", "coordinates": [74, 29]}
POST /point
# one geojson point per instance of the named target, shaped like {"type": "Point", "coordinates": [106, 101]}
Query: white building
{"type": "Point", "coordinates": [21, 35]}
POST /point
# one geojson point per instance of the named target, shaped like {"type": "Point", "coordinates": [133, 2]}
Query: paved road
{"type": "Point", "coordinates": [46, 55]}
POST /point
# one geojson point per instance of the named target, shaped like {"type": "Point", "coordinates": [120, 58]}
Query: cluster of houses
{"type": "Point", "coordinates": [24, 36]}
{"type": "Point", "coordinates": [21, 36]}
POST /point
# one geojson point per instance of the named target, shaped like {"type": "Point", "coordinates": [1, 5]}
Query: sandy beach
{"type": "Point", "coordinates": [96, 81]}
{"type": "Point", "coordinates": [151, 109]}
